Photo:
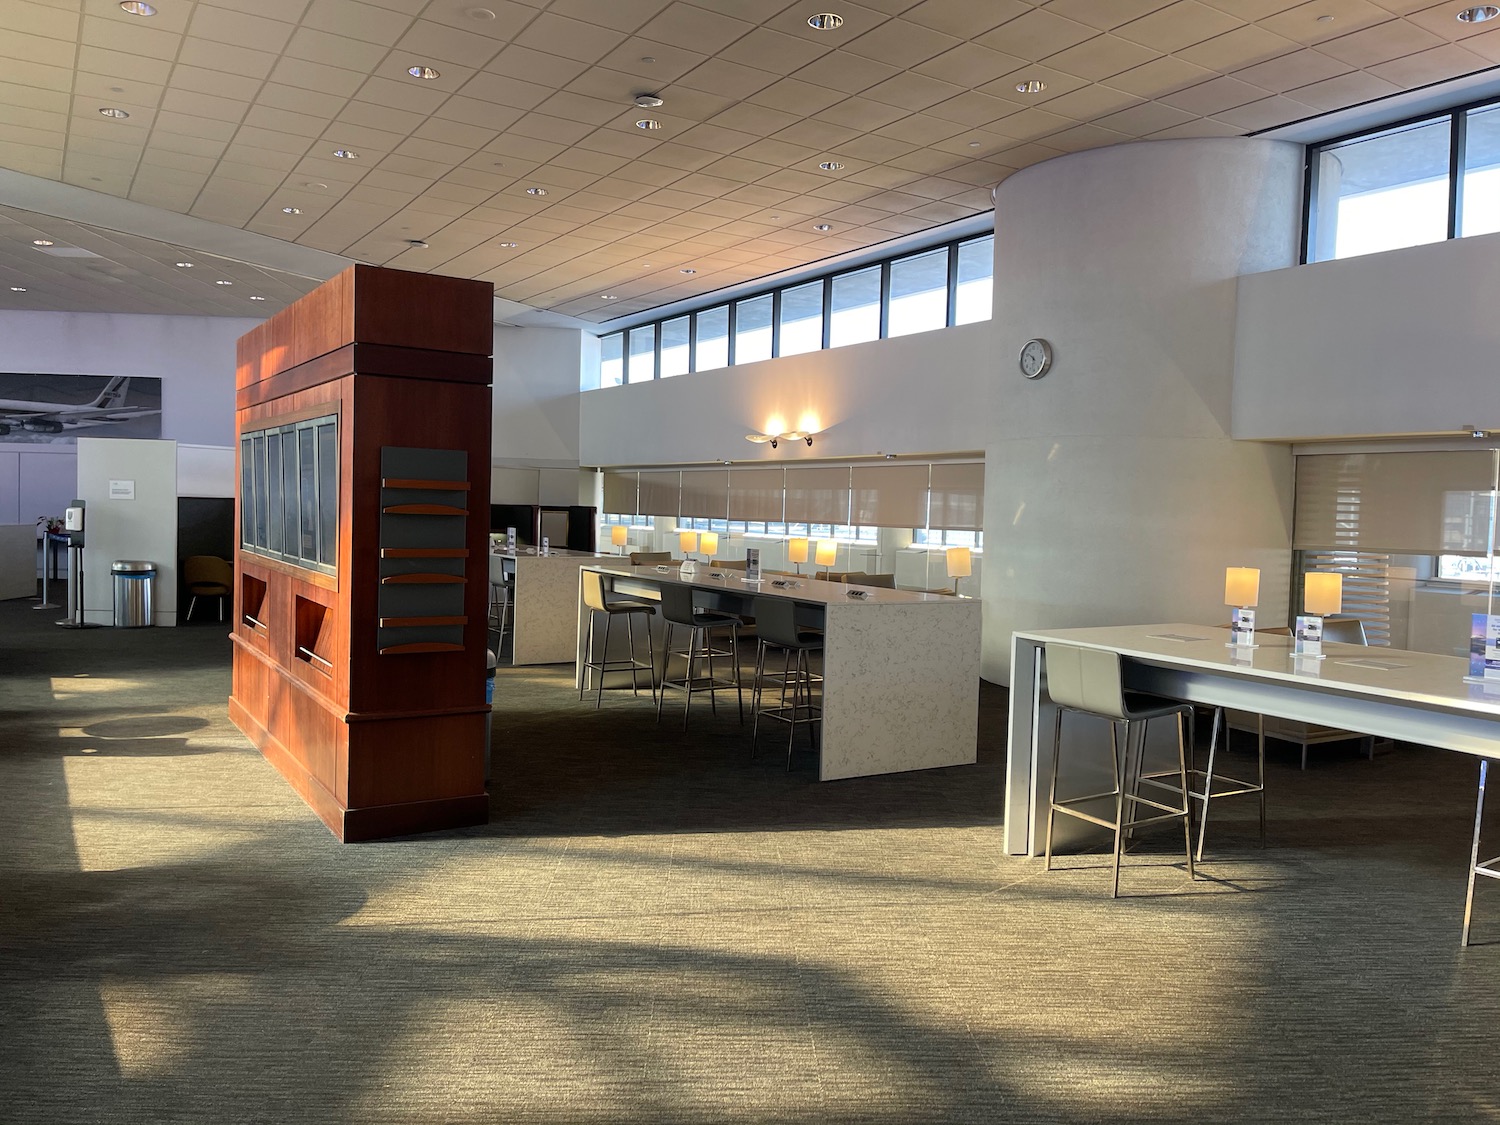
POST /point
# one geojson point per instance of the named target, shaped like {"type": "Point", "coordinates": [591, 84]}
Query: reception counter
{"type": "Point", "coordinates": [901, 669]}
{"type": "Point", "coordinates": [544, 613]}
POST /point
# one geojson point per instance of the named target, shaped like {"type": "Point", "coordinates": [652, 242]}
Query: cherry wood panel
{"type": "Point", "coordinates": [376, 744]}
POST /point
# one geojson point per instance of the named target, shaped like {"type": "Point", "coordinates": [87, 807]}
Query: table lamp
{"type": "Point", "coordinates": [1242, 591]}
{"type": "Point", "coordinates": [796, 552]}
{"type": "Point", "coordinates": [1322, 595]}
{"type": "Point", "coordinates": [826, 554]}
{"type": "Point", "coordinates": [708, 543]}
{"type": "Point", "coordinates": [688, 542]}
{"type": "Point", "coordinates": [618, 536]}
{"type": "Point", "coordinates": [960, 565]}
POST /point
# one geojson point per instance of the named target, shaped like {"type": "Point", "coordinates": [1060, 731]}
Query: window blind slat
{"type": "Point", "coordinates": [705, 493]}
{"type": "Point", "coordinates": [756, 494]}
{"type": "Point", "coordinates": [817, 495]}
{"type": "Point", "coordinates": [957, 501]}
{"type": "Point", "coordinates": [889, 495]}
{"type": "Point", "coordinates": [661, 494]}
{"type": "Point", "coordinates": [619, 493]}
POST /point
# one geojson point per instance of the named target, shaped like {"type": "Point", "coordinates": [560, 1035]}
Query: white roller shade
{"type": "Point", "coordinates": [619, 493]}
{"type": "Point", "coordinates": [957, 501]}
{"type": "Point", "coordinates": [661, 493]}
{"type": "Point", "coordinates": [889, 495]}
{"type": "Point", "coordinates": [817, 496]}
{"type": "Point", "coordinates": [756, 494]}
{"type": "Point", "coordinates": [705, 492]}
{"type": "Point", "coordinates": [1400, 503]}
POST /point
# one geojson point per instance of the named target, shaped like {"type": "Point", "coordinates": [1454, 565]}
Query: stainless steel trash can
{"type": "Point", "coordinates": [133, 582]}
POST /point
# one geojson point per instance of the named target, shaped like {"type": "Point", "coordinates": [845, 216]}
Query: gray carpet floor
{"type": "Point", "coordinates": [656, 928]}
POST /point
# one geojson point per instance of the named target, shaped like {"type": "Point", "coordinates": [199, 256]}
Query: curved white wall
{"type": "Point", "coordinates": [1113, 492]}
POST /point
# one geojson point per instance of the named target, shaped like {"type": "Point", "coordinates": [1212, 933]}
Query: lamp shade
{"type": "Point", "coordinates": [1241, 585]}
{"type": "Point", "coordinates": [1322, 592]}
{"type": "Point", "coordinates": [687, 541]}
{"type": "Point", "coordinates": [796, 550]}
{"type": "Point", "coordinates": [960, 564]}
{"type": "Point", "coordinates": [708, 543]}
{"type": "Point", "coordinates": [828, 552]}
{"type": "Point", "coordinates": [617, 534]}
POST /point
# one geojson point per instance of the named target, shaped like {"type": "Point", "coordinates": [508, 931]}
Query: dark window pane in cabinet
{"type": "Point", "coordinates": [247, 494]}
{"type": "Point", "coordinates": [258, 455]}
{"type": "Point", "coordinates": [307, 467]}
{"type": "Point", "coordinates": [288, 505]}
{"type": "Point", "coordinates": [328, 494]}
{"type": "Point", "coordinates": [274, 504]}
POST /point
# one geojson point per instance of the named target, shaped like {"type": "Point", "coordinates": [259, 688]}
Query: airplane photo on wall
{"type": "Point", "coordinates": [55, 409]}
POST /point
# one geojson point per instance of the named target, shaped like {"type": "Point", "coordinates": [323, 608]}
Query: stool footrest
{"type": "Point", "coordinates": [1489, 868]}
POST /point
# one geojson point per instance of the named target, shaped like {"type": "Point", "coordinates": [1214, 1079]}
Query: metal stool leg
{"type": "Point", "coordinates": [1114, 749]}
{"type": "Point", "coordinates": [604, 658]}
{"type": "Point", "coordinates": [1484, 771]}
{"type": "Point", "coordinates": [1052, 788]}
{"type": "Point", "coordinates": [588, 656]}
{"type": "Point", "coordinates": [666, 666]}
{"type": "Point", "coordinates": [1187, 800]}
{"type": "Point", "coordinates": [1260, 751]}
{"type": "Point", "coordinates": [1208, 778]}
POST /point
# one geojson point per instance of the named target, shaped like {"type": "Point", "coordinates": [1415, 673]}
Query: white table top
{"type": "Point", "coordinates": [554, 553]}
{"type": "Point", "coordinates": [812, 591]}
{"type": "Point", "coordinates": [1422, 679]}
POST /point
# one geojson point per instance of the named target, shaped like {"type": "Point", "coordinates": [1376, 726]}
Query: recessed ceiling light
{"type": "Point", "coordinates": [537, 191]}
{"type": "Point", "coordinates": [184, 265]}
{"type": "Point", "coordinates": [137, 8]}
{"type": "Point", "coordinates": [426, 73]}
{"type": "Point", "coordinates": [111, 111]}
{"type": "Point", "coordinates": [314, 184]}
{"type": "Point", "coordinates": [18, 288]}
{"type": "Point", "coordinates": [825, 21]}
{"type": "Point", "coordinates": [648, 59]}
{"type": "Point", "coordinates": [346, 154]}
{"type": "Point", "coordinates": [648, 101]}
{"type": "Point", "coordinates": [257, 298]}
{"type": "Point", "coordinates": [1325, 19]}
{"type": "Point", "coordinates": [41, 242]}
{"type": "Point", "coordinates": [830, 165]}
{"type": "Point", "coordinates": [117, 89]}
{"type": "Point", "coordinates": [480, 14]}
{"type": "Point", "coordinates": [292, 210]}
{"type": "Point", "coordinates": [648, 124]}
{"type": "Point", "coordinates": [823, 226]}
{"type": "Point", "coordinates": [1479, 14]}
{"type": "Point", "coordinates": [417, 243]}
{"type": "Point", "coordinates": [1031, 86]}
{"type": "Point", "coordinates": [509, 245]}
{"type": "Point", "coordinates": [608, 297]}
{"type": "Point", "coordinates": [687, 271]}
{"type": "Point", "coordinates": [973, 144]}
{"type": "Point", "coordinates": [221, 281]}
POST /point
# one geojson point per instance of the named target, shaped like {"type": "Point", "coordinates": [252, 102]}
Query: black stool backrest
{"type": "Point", "coordinates": [677, 604]}
{"type": "Point", "coordinates": [776, 621]}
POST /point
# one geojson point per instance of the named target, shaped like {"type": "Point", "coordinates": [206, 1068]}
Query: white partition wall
{"type": "Point", "coordinates": [142, 526]}
{"type": "Point", "coordinates": [1113, 491]}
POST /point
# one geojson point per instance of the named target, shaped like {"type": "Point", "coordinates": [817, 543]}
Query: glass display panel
{"type": "Point", "coordinates": [286, 499]}
{"type": "Point", "coordinates": [802, 318]}
{"type": "Point", "coordinates": [274, 538]}
{"type": "Point", "coordinates": [976, 281]}
{"type": "Point", "coordinates": [674, 347]}
{"type": "Point", "coordinates": [1481, 209]}
{"type": "Point", "coordinates": [752, 329]}
{"type": "Point", "coordinates": [247, 493]}
{"type": "Point", "coordinates": [1382, 192]}
{"type": "Point", "coordinates": [713, 339]}
{"type": "Point", "coordinates": [307, 471]}
{"type": "Point", "coordinates": [258, 454]}
{"type": "Point", "coordinates": [611, 360]}
{"type": "Point", "coordinates": [855, 314]}
{"type": "Point", "coordinates": [919, 293]}
{"type": "Point", "coordinates": [328, 493]}
{"type": "Point", "coordinates": [642, 362]}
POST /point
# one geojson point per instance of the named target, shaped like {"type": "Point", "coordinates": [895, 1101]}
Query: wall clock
{"type": "Point", "coordinates": [1036, 358]}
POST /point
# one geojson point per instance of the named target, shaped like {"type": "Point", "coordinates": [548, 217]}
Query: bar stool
{"type": "Point", "coordinates": [502, 597]}
{"type": "Point", "coordinates": [1489, 868]}
{"type": "Point", "coordinates": [1088, 681]}
{"type": "Point", "coordinates": [776, 627]}
{"type": "Point", "coordinates": [612, 605]}
{"type": "Point", "coordinates": [678, 611]}
{"type": "Point", "coordinates": [1228, 786]}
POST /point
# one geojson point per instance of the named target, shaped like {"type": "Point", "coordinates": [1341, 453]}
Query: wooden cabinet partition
{"type": "Point", "coordinates": [360, 630]}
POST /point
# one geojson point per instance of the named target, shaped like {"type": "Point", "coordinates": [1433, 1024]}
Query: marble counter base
{"type": "Point", "coordinates": [546, 608]}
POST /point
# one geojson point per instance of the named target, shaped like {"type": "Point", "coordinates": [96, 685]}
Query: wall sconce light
{"type": "Point", "coordinates": [960, 565]}
{"type": "Point", "coordinates": [774, 439]}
